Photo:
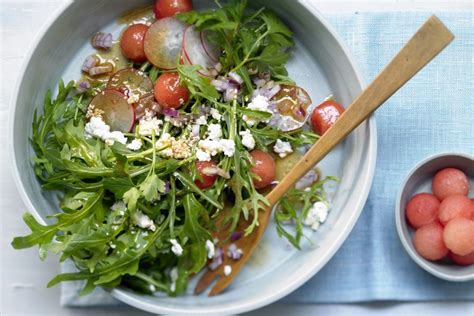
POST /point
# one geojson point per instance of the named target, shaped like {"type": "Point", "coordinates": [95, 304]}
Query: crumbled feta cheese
{"type": "Point", "coordinates": [119, 205]}
{"type": "Point", "coordinates": [148, 125]}
{"type": "Point", "coordinates": [317, 215]}
{"type": "Point", "coordinates": [282, 148]}
{"type": "Point", "coordinates": [116, 136]}
{"type": "Point", "coordinates": [202, 155]}
{"type": "Point", "coordinates": [247, 139]}
{"type": "Point", "coordinates": [228, 147]}
{"type": "Point", "coordinates": [215, 114]}
{"type": "Point", "coordinates": [195, 130]}
{"type": "Point", "coordinates": [202, 120]}
{"type": "Point", "coordinates": [96, 127]}
{"type": "Point", "coordinates": [227, 270]}
{"type": "Point", "coordinates": [176, 247]}
{"type": "Point", "coordinates": [259, 103]}
{"type": "Point", "coordinates": [143, 221]}
{"type": "Point", "coordinates": [136, 144]}
{"type": "Point", "coordinates": [215, 131]}
{"type": "Point", "coordinates": [214, 147]}
{"type": "Point", "coordinates": [210, 248]}
{"type": "Point", "coordinates": [173, 278]}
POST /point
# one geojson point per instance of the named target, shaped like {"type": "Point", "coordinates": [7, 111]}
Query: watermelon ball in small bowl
{"type": "Point", "coordinates": [434, 216]}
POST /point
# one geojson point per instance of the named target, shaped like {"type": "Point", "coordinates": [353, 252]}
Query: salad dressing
{"type": "Point", "coordinates": [143, 15]}
{"type": "Point", "coordinates": [112, 56]}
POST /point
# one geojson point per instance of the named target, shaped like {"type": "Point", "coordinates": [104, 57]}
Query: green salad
{"type": "Point", "coordinates": [187, 114]}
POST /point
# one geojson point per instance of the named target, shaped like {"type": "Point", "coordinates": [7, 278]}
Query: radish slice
{"type": "Point", "coordinates": [213, 51]}
{"type": "Point", "coordinates": [115, 110]}
{"type": "Point", "coordinates": [163, 42]}
{"type": "Point", "coordinates": [131, 82]}
{"type": "Point", "coordinates": [195, 51]}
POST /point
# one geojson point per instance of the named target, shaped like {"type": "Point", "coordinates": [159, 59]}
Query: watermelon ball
{"type": "Point", "coordinates": [450, 181]}
{"type": "Point", "coordinates": [422, 209]}
{"type": "Point", "coordinates": [459, 236]}
{"type": "Point", "coordinates": [462, 260]}
{"type": "Point", "coordinates": [455, 206]}
{"type": "Point", "coordinates": [428, 241]}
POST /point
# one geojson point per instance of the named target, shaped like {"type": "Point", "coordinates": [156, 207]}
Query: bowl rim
{"type": "Point", "coordinates": [249, 304]}
{"type": "Point", "coordinates": [426, 265]}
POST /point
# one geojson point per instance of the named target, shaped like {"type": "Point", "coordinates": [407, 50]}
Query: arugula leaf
{"type": "Point", "coordinates": [131, 198]}
{"type": "Point", "coordinates": [151, 186]}
{"type": "Point", "coordinates": [41, 234]}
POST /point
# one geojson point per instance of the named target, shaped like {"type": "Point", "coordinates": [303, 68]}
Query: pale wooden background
{"type": "Point", "coordinates": [23, 276]}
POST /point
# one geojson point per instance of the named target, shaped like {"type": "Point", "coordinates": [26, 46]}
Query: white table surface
{"type": "Point", "coordinates": [23, 276]}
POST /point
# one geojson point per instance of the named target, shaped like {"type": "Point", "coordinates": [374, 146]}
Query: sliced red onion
{"type": "Point", "coordinates": [217, 260]}
{"type": "Point", "coordinates": [171, 112]}
{"type": "Point", "coordinates": [83, 86]}
{"type": "Point", "coordinates": [90, 62]}
{"type": "Point", "coordinates": [258, 82]}
{"type": "Point", "coordinates": [102, 40]}
{"type": "Point", "coordinates": [307, 180]}
{"type": "Point", "coordinates": [236, 236]}
{"type": "Point", "coordinates": [167, 187]}
{"type": "Point", "coordinates": [230, 94]}
{"type": "Point", "coordinates": [236, 77]}
{"type": "Point", "coordinates": [214, 170]}
{"type": "Point", "coordinates": [267, 92]}
{"type": "Point", "coordinates": [221, 85]}
{"type": "Point", "coordinates": [99, 70]}
{"type": "Point", "coordinates": [233, 252]}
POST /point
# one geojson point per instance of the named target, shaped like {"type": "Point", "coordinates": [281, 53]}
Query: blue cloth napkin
{"type": "Point", "coordinates": [433, 113]}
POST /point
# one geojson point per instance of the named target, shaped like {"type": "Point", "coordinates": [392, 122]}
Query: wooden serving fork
{"type": "Point", "coordinates": [426, 43]}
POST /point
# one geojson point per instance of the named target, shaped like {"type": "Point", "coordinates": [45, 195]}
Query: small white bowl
{"type": "Point", "coordinates": [418, 181]}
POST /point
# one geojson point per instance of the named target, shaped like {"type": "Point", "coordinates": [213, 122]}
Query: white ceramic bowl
{"type": "Point", "coordinates": [321, 64]}
{"type": "Point", "coordinates": [418, 181]}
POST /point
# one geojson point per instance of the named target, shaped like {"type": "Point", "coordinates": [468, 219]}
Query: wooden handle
{"type": "Point", "coordinates": [428, 41]}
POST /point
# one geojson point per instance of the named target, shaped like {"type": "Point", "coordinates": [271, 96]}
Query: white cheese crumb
{"type": "Point", "coordinates": [119, 205]}
{"type": "Point", "coordinates": [227, 270]}
{"type": "Point", "coordinates": [136, 144]}
{"type": "Point", "coordinates": [214, 147]}
{"type": "Point", "coordinates": [176, 247]}
{"type": "Point", "coordinates": [202, 155]}
{"type": "Point", "coordinates": [215, 131]}
{"type": "Point", "coordinates": [215, 114]}
{"type": "Point", "coordinates": [259, 103]}
{"type": "Point", "coordinates": [317, 215]}
{"type": "Point", "coordinates": [195, 130]}
{"type": "Point", "coordinates": [143, 221]}
{"type": "Point", "coordinates": [96, 127]}
{"type": "Point", "coordinates": [173, 278]}
{"type": "Point", "coordinates": [282, 148]}
{"type": "Point", "coordinates": [247, 139]}
{"type": "Point", "coordinates": [202, 120]}
{"type": "Point", "coordinates": [116, 136]}
{"type": "Point", "coordinates": [211, 249]}
{"type": "Point", "coordinates": [148, 125]}
{"type": "Point", "coordinates": [228, 147]}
